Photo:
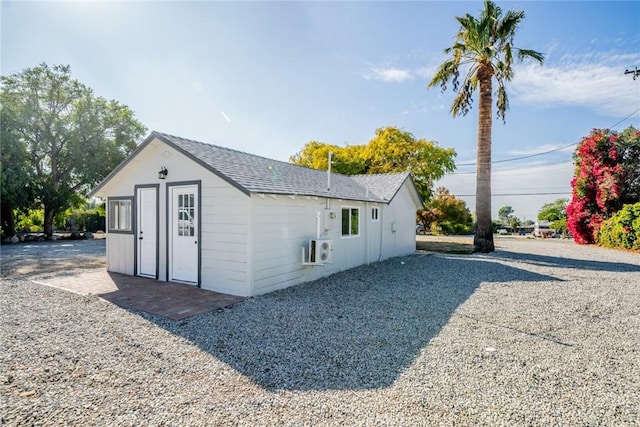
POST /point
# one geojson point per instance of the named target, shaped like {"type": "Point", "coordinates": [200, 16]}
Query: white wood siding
{"type": "Point", "coordinates": [283, 225]}
{"type": "Point", "coordinates": [251, 245]}
{"type": "Point", "coordinates": [120, 253]}
{"type": "Point", "coordinates": [400, 215]}
{"type": "Point", "coordinates": [224, 219]}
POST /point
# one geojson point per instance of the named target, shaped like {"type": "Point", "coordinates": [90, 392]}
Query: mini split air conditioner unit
{"type": "Point", "coordinates": [319, 252]}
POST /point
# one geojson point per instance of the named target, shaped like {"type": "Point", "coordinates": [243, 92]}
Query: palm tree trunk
{"type": "Point", "coordinates": [483, 240]}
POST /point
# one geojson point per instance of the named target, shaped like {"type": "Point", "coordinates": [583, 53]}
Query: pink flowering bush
{"type": "Point", "coordinates": [596, 185]}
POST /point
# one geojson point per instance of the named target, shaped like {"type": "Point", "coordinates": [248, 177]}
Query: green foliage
{"type": "Point", "coordinates": [390, 150]}
{"type": "Point", "coordinates": [483, 47]}
{"type": "Point", "coordinates": [514, 222]}
{"type": "Point", "coordinates": [29, 221]}
{"type": "Point", "coordinates": [16, 191]}
{"type": "Point", "coordinates": [74, 138]}
{"type": "Point", "coordinates": [445, 214]}
{"type": "Point", "coordinates": [597, 186]}
{"type": "Point", "coordinates": [553, 211]}
{"type": "Point", "coordinates": [483, 51]}
{"type": "Point", "coordinates": [505, 214]}
{"type": "Point", "coordinates": [628, 148]}
{"type": "Point", "coordinates": [622, 230]}
{"type": "Point", "coordinates": [560, 225]}
{"type": "Point", "coordinates": [85, 220]}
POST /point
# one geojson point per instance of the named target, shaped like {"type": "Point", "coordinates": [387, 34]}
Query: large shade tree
{"type": "Point", "coordinates": [483, 50]}
{"type": "Point", "coordinates": [390, 150]}
{"type": "Point", "coordinates": [72, 138]}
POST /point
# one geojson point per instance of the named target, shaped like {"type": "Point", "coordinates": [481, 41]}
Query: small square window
{"type": "Point", "coordinates": [120, 215]}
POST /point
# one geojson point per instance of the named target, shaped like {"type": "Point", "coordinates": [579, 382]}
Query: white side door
{"type": "Point", "coordinates": [183, 234]}
{"type": "Point", "coordinates": [147, 226]}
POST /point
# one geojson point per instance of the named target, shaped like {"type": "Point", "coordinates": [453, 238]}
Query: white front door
{"type": "Point", "coordinates": [183, 234]}
{"type": "Point", "coordinates": [147, 226]}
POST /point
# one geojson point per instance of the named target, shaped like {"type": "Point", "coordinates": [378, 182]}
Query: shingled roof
{"type": "Point", "coordinates": [255, 174]}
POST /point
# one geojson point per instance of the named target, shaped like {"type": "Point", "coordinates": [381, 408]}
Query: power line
{"type": "Point", "coordinates": [568, 193]}
{"type": "Point", "coordinates": [500, 171]}
{"type": "Point", "coordinates": [549, 151]}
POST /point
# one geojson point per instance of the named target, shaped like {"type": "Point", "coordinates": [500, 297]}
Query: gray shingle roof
{"type": "Point", "coordinates": [255, 174]}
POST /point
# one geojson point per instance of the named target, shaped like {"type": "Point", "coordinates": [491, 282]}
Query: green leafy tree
{"type": "Point", "coordinates": [484, 48]}
{"type": "Point", "coordinates": [16, 191]}
{"type": "Point", "coordinates": [628, 147]}
{"type": "Point", "coordinates": [553, 211]}
{"type": "Point", "coordinates": [514, 222]}
{"type": "Point", "coordinates": [505, 214]}
{"type": "Point", "coordinates": [445, 214]}
{"type": "Point", "coordinates": [73, 137]}
{"type": "Point", "coordinates": [556, 213]}
{"type": "Point", "coordinates": [347, 160]}
{"type": "Point", "coordinates": [390, 150]}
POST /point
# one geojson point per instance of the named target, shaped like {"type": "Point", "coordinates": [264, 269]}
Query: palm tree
{"type": "Point", "coordinates": [484, 47]}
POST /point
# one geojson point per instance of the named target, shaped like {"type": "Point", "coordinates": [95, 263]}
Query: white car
{"type": "Point", "coordinates": [502, 232]}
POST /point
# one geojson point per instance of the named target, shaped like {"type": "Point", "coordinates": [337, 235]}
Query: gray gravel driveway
{"type": "Point", "coordinates": [541, 332]}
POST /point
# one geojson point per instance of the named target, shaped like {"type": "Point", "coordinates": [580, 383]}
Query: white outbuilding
{"type": "Point", "coordinates": [184, 211]}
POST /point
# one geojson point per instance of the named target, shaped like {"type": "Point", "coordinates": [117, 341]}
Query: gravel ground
{"type": "Point", "coordinates": [51, 258]}
{"type": "Point", "coordinates": [538, 333]}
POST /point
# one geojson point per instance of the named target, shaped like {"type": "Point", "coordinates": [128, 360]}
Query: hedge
{"type": "Point", "coordinates": [622, 230]}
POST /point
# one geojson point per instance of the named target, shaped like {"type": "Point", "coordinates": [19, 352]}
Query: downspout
{"type": "Point", "coordinates": [382, 232]}
{"type": "Point", "coordinates": [367, 232]}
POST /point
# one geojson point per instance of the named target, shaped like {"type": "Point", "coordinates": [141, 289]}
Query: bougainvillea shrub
{"type": "Point", "coordinates": [596, 185]}
{"type": "Point", "coordinates": [622, 230]}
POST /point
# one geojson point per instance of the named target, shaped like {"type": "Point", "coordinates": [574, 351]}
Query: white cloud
{"type": "Point", "coordinates": [225, 116]}
{"type": "Point", "coordinates": [595, 81]}
{"type": "Point", "coordinates": [388, 74]}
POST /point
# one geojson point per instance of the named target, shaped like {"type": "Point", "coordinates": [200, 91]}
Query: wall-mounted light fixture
{"type": "Point", "coordinates": [163, 172]}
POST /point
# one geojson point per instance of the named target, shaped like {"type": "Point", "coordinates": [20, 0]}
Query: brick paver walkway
{"type": "Point", "coordinates": [172, 300]}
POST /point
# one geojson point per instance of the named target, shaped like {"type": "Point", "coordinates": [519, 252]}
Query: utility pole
{"type": "Point", "coordinates": [635, 72]}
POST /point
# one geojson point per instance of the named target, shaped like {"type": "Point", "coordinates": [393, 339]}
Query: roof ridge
{"type": "Point", "coordinates": [247, 153]}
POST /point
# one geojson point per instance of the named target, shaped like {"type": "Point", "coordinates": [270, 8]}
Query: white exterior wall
{"type": "Point", "coordinates": [224, 219]}
{"type": "Point", "coordinates": [120, 253]}
{"type": "Point", "coordinates": [252, 245]}
{"type": "Point", "coordinates": [282, 225]}
{"type": "Point", "coordinates": [400, 215]}
{"type": "Point", "coordinates": [225, 214]}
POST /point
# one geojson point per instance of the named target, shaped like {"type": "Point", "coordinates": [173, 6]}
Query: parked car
{"type": "Point", "coordinates": [502, 232]}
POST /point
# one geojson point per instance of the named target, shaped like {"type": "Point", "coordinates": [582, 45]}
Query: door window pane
{"type": "Point", "coordinates": [186, 214]}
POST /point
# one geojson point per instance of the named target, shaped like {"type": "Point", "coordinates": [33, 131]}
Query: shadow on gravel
{"type": "Point", "coordinates": [26, 260]}
{"type": "Point", "coordinates": [552, 261]}
{"type": "Point", "coordinates": [359, 329]}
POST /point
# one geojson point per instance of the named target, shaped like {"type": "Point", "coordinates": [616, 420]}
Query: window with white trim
{"type": "Point", "coordinates": [120, 215]}
{"type": "Point", "coordinates": [374, 214]}
{"type": "Point", "coordinates": [350, 221]}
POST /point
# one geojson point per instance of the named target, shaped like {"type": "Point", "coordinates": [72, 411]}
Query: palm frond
{"type": "Point", "coordinates": [445, 72]}
{"type": "Point", "coordinates": [528, 53]}
{"type": "Point", "coordinates": [508, 25]}
{"type": "Point", "coordinates": [502, 102]}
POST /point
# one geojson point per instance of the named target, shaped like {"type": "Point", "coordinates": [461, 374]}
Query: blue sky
{"type": "Point", "coordinates": [266, 77]}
